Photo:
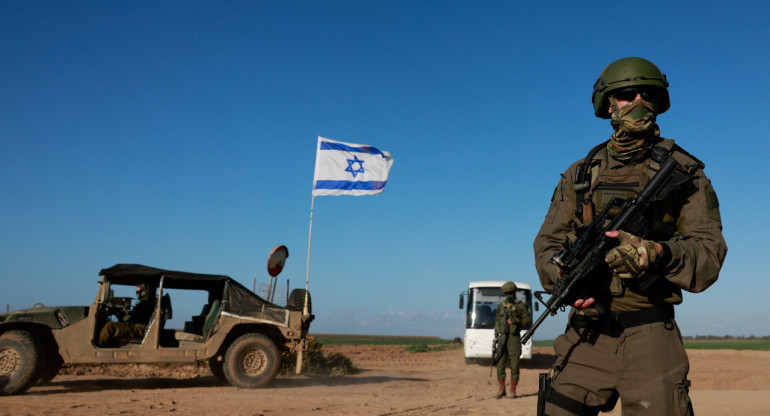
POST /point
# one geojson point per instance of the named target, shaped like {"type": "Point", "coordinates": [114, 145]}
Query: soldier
{"type": "Point", "coordinates": [633, 350]}
{"type": "Point", "coordinates": [134, 323]}
{"type": "Point", "coordinates": [512, 316]}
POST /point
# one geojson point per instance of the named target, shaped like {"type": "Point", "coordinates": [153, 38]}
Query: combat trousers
{"type": "Point", "coordinates": [119, 330]}
{"type": "Point", "coordinates": [645, 366]}
{"type": "Point", "coordinates": [511, 354]}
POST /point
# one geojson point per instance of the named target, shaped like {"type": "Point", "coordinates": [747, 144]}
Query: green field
{"type": "Point", "coordinates": [713, 344]}
{"type": "Point", "coordinates": [728, 344]}
{"type": "Point", "coordinates": [342, 339]}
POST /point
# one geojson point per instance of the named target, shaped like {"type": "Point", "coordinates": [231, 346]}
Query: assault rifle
{"type": "Point", "coordinates": [500, 340]}
{"type": "Point", "coordinates": [587, 254]}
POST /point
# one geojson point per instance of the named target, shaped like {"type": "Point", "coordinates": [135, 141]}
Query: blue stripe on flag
{"type": "Point", "coordinates": [339, 146]}
{"type": "Point", "coordinates": [349, 185]}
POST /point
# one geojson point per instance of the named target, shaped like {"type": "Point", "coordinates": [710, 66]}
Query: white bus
{"type": "Point", "coordinates": [483, 298]}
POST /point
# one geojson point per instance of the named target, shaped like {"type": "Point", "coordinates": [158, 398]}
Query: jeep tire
{"type": "Point", "coordinates": [19, 362]}
{"type": "Point", "coordinates": [251, 361]}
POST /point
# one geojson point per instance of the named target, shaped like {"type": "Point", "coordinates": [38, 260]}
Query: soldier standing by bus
{"type": "Point", "coordinates": [512, 316]}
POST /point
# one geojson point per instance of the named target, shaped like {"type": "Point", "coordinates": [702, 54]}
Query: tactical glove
{"type": "Point", "coordinates": [632, 257]}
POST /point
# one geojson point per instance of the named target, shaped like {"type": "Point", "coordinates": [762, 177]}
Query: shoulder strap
{"type": "Point", "coordinates": [583, 175]}
{"type": "Point", "coordinates": [669, 146]}
{"type": "Point", "coordinates": [697, 161]}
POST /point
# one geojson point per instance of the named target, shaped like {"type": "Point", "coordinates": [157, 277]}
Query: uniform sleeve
{"type": "Point", "coordinates": [552, 236]}
{"type": "Point", "coordinates": [499, 319]}
{"type": "Point", "coordinates": [698, 252]}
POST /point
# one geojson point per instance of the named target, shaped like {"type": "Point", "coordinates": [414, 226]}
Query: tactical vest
{"type": "Point", "coordinates": [516, 312]}
{"type": "Point", "coordinates": [594, 189]}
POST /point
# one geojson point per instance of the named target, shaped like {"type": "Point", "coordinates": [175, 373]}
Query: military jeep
{"type": "Point", "coordinates": [240, 334]}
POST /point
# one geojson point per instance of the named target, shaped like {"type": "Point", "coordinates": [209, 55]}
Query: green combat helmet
{"type": "Point", "coordinates": [629, 72]}
{"type": "Point", "coordinates": [509, 287]}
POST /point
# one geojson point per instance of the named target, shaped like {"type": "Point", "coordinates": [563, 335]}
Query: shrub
{"type": "Point", "coordinates": [418, 348]}
{"type": "Point", "coordinates": [315, 363]}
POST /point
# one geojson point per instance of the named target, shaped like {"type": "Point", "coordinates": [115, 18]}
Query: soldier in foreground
{"type": "Point", "coordinates": [512, 315]}
{"type": "Point", "coordinates": [622, 340]}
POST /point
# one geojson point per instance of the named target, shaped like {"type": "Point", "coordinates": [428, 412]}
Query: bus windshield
{"type": "Point", "coordinates": [482, 305]}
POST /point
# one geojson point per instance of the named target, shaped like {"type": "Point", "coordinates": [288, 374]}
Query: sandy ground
{"type": "Point", "coordinates": [393, 382]}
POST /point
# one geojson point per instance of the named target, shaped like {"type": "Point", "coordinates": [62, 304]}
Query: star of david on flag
{"type": "Point", "coordinates": [349, 169]}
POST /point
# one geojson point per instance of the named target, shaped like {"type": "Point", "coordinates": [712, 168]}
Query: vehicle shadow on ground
{"type": "Point", "coordinates": [85, 386]}
{"type": "Point", "coordinates": [149, 383]}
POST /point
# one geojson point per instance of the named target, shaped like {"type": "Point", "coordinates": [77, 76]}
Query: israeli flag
{"type": "Point", "coordinates": [349, 169]}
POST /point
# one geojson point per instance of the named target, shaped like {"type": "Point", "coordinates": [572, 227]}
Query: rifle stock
{"type": "Point", "coordinates": [579, 262]}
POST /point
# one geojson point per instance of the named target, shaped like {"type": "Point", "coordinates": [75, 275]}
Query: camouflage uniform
{"type": "Point", "coordinates": [131, 326]}
{"type": "Point", "coordinates": [518, 314]}
{"type": "Point", "coordinates": [635, 352]}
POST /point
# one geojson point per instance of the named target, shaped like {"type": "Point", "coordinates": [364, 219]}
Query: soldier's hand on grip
{"type": "Point", "coordinates": [579, 303]}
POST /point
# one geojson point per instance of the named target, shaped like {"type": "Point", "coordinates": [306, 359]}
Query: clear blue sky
{"type": "Point", "coordinates": [182, 135]}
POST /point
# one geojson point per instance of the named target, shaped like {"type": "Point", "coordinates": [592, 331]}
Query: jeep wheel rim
{"type": "Point", "coordinates": [10, 361]}
{"type": "Point", "coordinates": [253, 362]}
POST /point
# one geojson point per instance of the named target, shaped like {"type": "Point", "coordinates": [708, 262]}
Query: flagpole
{"type": "Point", "coordinates": [309, 238]}
{"type": "Point", "coordinates": [310, 234]}
{"type": "Point", "coordinates": [305, 311]}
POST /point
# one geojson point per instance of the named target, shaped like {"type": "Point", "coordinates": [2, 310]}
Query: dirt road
{"type": "Point", "coordinates": [393, 382]}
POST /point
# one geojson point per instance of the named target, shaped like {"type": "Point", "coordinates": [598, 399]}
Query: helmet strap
{"type": "Point", "coordinates": [613, 106]}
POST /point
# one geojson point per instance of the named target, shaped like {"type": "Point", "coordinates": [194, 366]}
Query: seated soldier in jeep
{"type": "Point", "coordinates": [134, 323]}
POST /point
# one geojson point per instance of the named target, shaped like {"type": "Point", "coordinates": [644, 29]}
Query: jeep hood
{"type": "Point", "coordinates": [54, 317]}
